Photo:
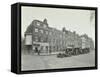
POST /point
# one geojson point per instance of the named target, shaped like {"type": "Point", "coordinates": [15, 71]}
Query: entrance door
{"type": "Point", "coordinates": [47, 48]}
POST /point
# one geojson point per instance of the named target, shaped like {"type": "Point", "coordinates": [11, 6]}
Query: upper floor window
{"type": "Point", "coordinates": [36, 39]}
{"type": "Point", "coordinates": [41, 31]}
{"type": "Point", "coordinates": [41, 40]}
{"type": "Point", "coordinates": [54, 41]}
{"type": "Point", "coordinates": [44, 25]}
{"type": "Point", "coordinates": [64, 32]}
{"type": "Point", "coordinates": [50, 33]}
{"type": "Point", "coordinates": [36, 30]}
{"type": "Point", "coordinates": [46, 32]}
{"type": "Point", "coordinates": [60, 36]}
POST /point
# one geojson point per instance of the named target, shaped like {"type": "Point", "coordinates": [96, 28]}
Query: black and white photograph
{"type": "Point", "coordinates": [57, 38]}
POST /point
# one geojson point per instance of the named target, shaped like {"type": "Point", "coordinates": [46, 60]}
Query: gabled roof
{"type": "Point", "coordinates": [29, 29]}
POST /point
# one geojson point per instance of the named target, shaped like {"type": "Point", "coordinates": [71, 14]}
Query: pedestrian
{"type": "Point", "coordinates": [36, 49]}
{"type": "Point", "coordinates": [39, 49]}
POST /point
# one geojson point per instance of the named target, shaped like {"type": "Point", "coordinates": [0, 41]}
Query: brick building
{"type": "Point", "coordinates": [87, 42]}
{"type": "Point", "coordinates": [48, 39]}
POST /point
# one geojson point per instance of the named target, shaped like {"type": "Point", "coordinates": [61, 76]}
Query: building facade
{"type": "Point", "coordinates": [87, 42]}
{"type": "Point", "coordinates": [47, 39]}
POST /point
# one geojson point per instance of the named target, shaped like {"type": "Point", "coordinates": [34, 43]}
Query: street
{"type": "Point", "coordinates": [36, 62]}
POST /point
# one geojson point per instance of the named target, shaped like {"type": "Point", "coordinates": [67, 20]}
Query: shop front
{"type": "Point", "coordinates": [40, 48]}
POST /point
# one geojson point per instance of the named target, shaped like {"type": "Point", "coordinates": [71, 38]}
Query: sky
{"type": "Point", "coordinates": [71, 19]}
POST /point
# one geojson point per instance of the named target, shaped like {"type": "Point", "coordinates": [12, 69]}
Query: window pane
{"type": "Point", "coordinates": [41, 31]}
{"type": "Point", "coordinates": [36, 38]}
{"type": "Point", "coordinates": [46, 32]}
{"type": "Point", "coordinates": [36, 30]}
{"type": "Point", "coordinates": [44, 26]}
{"type": "Point", "coordinates": [38, 24]}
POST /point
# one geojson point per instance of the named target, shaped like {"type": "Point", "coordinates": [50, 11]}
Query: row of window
{"type": "Point", "coordinates": [50, 33]}
{"type": "Point", "coordinates": [63, 43]}
{"type": "Point", "coordinates": [39, 40]}
{"type": "Point", "coordinates": [42, 31]}
{"type": "Point", "coordinates": [53, 40]}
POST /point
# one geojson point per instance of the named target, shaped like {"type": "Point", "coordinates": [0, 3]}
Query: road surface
{"type": "Point", "coordinates": [35, 62]}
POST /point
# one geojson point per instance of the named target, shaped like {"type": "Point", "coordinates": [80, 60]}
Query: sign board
{"type": "Point", "coordinates": [28, 40]}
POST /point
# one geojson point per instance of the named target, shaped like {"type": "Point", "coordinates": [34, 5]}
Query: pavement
{"type": "Point", "coordinates": [36, 62]}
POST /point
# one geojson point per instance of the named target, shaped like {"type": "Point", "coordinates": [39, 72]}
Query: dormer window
{"type": "Point", "coordinates": [38, 24]}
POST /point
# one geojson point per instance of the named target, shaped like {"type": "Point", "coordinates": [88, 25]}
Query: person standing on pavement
{"type": "Point", "coordinates": [39, 50]}
{"type": "Point", "coordinates": [36, 49]}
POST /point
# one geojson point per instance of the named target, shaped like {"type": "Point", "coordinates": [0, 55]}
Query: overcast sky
{"type": "Point", "coordinates": [73, 20]}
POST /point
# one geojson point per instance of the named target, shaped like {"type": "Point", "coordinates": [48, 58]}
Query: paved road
{"type": "Point", "coordinates": [35, 62]}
